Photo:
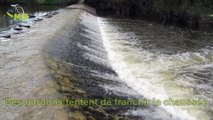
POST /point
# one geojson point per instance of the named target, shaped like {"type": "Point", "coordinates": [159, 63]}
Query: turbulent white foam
{"type": "Point", "coordinates": [151, 75]}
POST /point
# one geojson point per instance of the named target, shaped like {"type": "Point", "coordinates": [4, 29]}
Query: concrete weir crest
{"type": "Point", "coordinates": [83, 7]}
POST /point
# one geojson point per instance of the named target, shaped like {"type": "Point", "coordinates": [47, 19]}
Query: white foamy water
{"type": "Point", "coordinates": [162, 64]}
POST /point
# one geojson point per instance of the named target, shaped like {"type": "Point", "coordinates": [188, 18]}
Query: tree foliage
{"type": "Point", "coordinates": [181, 6]}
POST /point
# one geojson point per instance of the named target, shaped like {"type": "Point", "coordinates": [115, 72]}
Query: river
{"type": "Point", "coordinates": [130, 59]}
{"type": "Point", "coordinates": [162, 62]}
{"type": "Point", "coordinates": [87, 57]}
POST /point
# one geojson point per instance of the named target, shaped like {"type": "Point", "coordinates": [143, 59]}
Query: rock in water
{"type": "Point", "coordinates": [6, 36]}
{"type": "Point", "coordinates": [55, 13]}
{"type": "Point", "coordinates": [38, 20]}
{"type": "Point", "coordinates": [22, 25]}
{"type": "Point", "coordinates": [48, 16]}
{"type": "Point", "coordinates": [18, 28]}
{"type": "Point", "coordinates": [32, 16]}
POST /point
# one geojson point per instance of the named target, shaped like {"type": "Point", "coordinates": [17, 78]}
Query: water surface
{"type": "Point", "coordinates": [162, 62]}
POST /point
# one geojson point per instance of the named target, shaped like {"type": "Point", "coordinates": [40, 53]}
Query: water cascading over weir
{"type": "Point", "coordinates": [78, 56]}
{"type": "Point", "coordinates": [135, 69]}
{"type": "Point", "coordinates": [79, 61]}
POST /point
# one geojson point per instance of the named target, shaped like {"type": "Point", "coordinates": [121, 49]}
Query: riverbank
{"type": "Point", "coordinates": [178, 13]}
{"type": "Point", "coordinates": [76, 55]}
{"type": "Point", "coordinates": [24, 74]}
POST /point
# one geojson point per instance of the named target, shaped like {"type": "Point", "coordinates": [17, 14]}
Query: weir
{"type": "Point", "coordinates": [83, 57]}
{"type": "Point", "coordinates": [79, 60]}
{"type": "Point", "coordinates": [80, 64]}
{"type": "Point", "coordinates": [83, 7]}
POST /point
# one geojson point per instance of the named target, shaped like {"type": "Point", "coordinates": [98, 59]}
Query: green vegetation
{"type": "Point", "coordinates": [189, 6]}
{"type": "Point", "coordinates": [176, 12]}
{"type": "Point", "coordinates": [185, 6]}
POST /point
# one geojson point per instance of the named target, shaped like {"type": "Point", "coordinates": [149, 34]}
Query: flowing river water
{"type": "Point", "coordinates": [162, 62]}
{"type": "Point", "coordinates": [130, 59]}
{"type": "Point", "coordinates": [96, 58]}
